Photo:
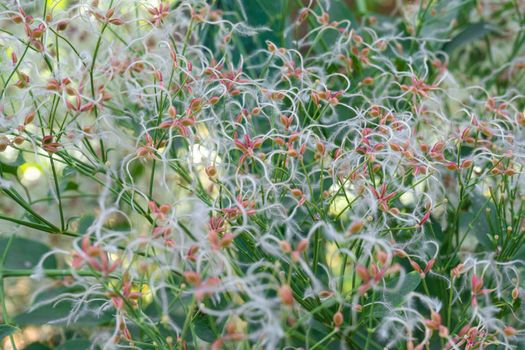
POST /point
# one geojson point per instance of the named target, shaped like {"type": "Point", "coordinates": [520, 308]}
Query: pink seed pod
{"type": "Point", "coordinates": [382, 257]}
{"type": "Point", "coordinates": [416, 266]}
{"type": "Point", "coordinates": [303, 15]}
{"type": "Point", "coordinates": [443, 331]}
{"type": "Point", "coordinates": [302, 245]}
{"type": "Point", "coordinates": [286, 295]}
{"type": "Point", "coordinates": [192, 277]}
{"type": "Point", "coordinates": [510, 331]}
{"type": "Point", "coordinates": [467, 163]}
{"type": "Point", "coordinates": [456, 271]}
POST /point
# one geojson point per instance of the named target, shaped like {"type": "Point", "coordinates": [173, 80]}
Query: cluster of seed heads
{"type": "Point", "coordinates": [269, 192]}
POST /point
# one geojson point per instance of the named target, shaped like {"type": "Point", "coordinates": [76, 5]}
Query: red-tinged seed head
{"type": "Point", "coordinates": [368, 81]}
{"type": "Point", "coordinates": [456, 271]}
{"type": "Point", "coordinates": [415, 266]}
{"type": "Point", "coordinates": [217, 344]}
{"type": "Point", "coordinates": [395, 147]}
{"type": "Point", "coordinates": [467, 163]}
{"type": "Point", "coordinates": [443, 331]}
{"type": "Point", "coordinates": [284, 120]}
{"type": "Point", "coordinates": [510, 172]}
{"type": "Point", "coordinates": [172, 111]}
{"type": "Point", "coordinates": [395, 211]}
{"type": "Point", "coordinates": [285, 246]}
{"type": "Point", "coordinates": [226, 240]}
{"type": "Point", "coordinates": [509, 331]}
{"type": "Point", "coordinates": [362, 272]}
{"type": "Point", "coordinates": [515, 293]}
{"type": "Point", "coordinates": [286, 294]}
{"type": "Point", "coordinates": [231, 328]}
{"type": "Point", "coordinates": [279, 141]}
{"type": "Point", "coordinates": [382, 257]}
{"type": "Point", "coordinates": [338, 319]}
{"type": "Point", "coordinates": [62, 24]}
{"type": "Point", "coordinates": [303, 15]}
{"type": "Point", "coordinates": [4, 142]}
{"type": "Point", "coordinates": [302, 245]}
{"type": "Point", "coordinates": [296, 192]}
{"type": "Point", "coordinates": [165, 208]}
{"type": "Point", "coordinates": [429, 265]}
{"type": "Point", "coordinates": [337, 153]}
{"type": "Point", "coordinates": [29, 118]}
{"type": "Point", "coordinates": [192, 277]}
{"type": "Point", "coordinates": [320, 147]}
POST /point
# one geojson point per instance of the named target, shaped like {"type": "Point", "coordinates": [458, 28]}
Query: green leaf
{"type": "Point", "coordinates": [25, 253]}
{"type": "Point", "coordinates": [84, 223]}
{"type": "Point", "coordinates": [397, 293]}
{"type": "Point", "coordinates": [37, 346]}
{"type": "Point", "coordinates": [6, 330]}
{"type": "Point", "coordinates": [75, 344]}
{"type": "Point", "coordinates": [476, 220]}
{"type": "Point", "coordinates": [204, 329]}
{"type": "Point", "coordinates": [473, 32]}
{"type": "Point", "coordinates": [55, 312]}
{"type": "Point", "coordinates": [70, 186]}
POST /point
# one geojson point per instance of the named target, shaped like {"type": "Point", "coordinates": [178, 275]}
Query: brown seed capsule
{"type": "Point", "coordinates": [356, 227]}
{"type": "Point", "coordinates": [338, 319]}
{"type": "Point", "coordinates": [18, 140]}
{"type": "Point", "coordinates": [293, 153]}
{"type": "Point", "coordinates": [62, 24]}
{"type": "Point", "coordinates": [211, 171]}
{"type": "Point", "coordinates": [4, 142]}
{"type": "Point", "coordinates": [296, 192]}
